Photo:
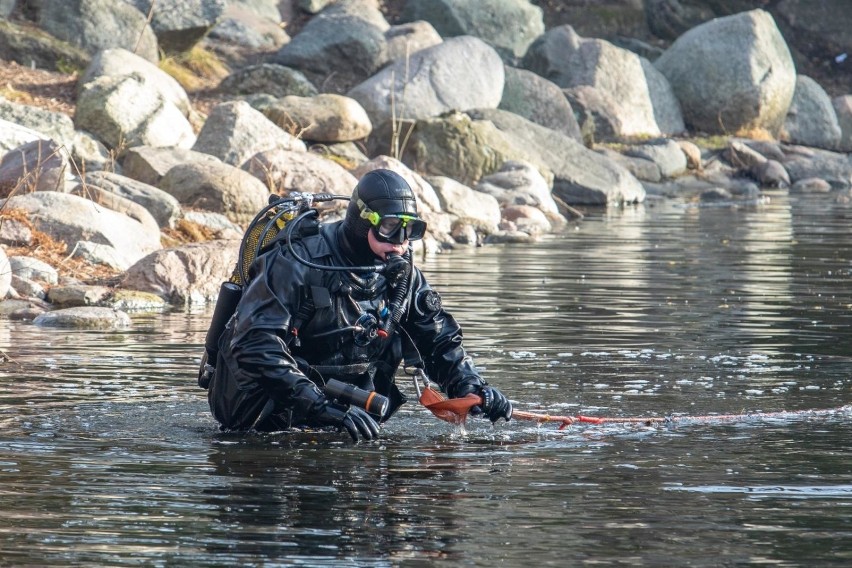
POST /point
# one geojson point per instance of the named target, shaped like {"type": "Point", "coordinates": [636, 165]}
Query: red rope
{"type": "Point", "coordinates": [455, 410]}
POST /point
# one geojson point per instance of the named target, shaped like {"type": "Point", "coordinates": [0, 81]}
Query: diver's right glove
{"type": "Point", "coordinates": [356, 421]}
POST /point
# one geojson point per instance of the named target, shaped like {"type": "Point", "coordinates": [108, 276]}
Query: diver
{"type": "Point", "coordinates": [343, 301]}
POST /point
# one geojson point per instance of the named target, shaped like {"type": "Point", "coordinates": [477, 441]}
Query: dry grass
{"type": "Point", "coordinates": [56, 253]}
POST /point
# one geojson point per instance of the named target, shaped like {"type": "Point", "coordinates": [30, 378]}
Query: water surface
{"type": "Point", "coordinates": [108, 455]}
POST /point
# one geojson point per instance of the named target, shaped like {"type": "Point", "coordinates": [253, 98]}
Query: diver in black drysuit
{"type": "Point", "coordinates": [297, 326]}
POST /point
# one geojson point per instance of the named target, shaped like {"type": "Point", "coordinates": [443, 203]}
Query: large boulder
{"type": "Point", "coordinates": [13, 135]}
{"type": "Point", "coordinates": [405, 39]}
{"type": "Point", "coordinates": [163, 207]}
{"type": "Point", "coordinates": [458, 74]}
{"type": "Point", "coordinates": [519, 183]}
{"type": "Point", "coordinates": [580, 176]}
{"type": "Point", "coordinates": [340, 47]}
{"type": "Point", "coordinates": [732, 74]}
{"type": "Point", "coordinates": [180, 24]}
{"type": "Point", "coordinates": [539, 100]}
{"type": "Point", "coordinates": [509, 26]}
{"type": "Point", "coordinates": [573, 62]}
{"type": "Point", "coordinates": [463, 202]}
{"type": "Point", "coordinates": [29, 46]}
{"type": "Point", "coordinates": [126, 110]}
{"type": "Point", "coordinates": [186, 275]}
{"type": "Point", "coordinates": [100, 24]}
{"type": "Point", "coordinates": [234, 132]}
{"type": "Point", "coordinates": [217, 187]}
{"type": "Point", "coordinates": [811, 120]}
{"type": "Point", "coordinates": [843, 109]}
{"type": "Point", "coordinates": [54, 125]}
{"type": "Point", "coordinates": [70, 218]}
{"type": "Point", "coordinates": [285, 171]}
{"type": "Point", "coordinates": [119, 62]}
{"type": "Point", "coordinates": [40, 165]}
{"type": "Point", "coordinates": [323, 118]}
{"type": "Point", "coordinates": [148, 164]}
{"type": "Point", "coordinates": [267, 78]}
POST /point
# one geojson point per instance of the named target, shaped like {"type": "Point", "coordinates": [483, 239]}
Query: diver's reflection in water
{"type": "Point", "coordinates": [317, 501]}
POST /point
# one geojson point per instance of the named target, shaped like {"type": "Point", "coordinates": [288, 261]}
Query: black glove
{"type": "Point", "coordinates": [495, 405]}
{"type": "Point", "coordinates": [356, 421]}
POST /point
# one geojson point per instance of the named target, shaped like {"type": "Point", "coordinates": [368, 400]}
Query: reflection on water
{"type": "Point", "coordinates": [108, 455]}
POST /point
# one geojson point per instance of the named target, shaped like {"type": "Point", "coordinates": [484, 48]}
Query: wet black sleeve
{"type": "Point", "coordinates": [438, 338]}
{"type": "Point", "coordinates": [261, 326]}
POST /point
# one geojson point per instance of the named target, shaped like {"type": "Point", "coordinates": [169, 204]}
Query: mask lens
{"type": "Point", "coordinates": [416, 229]}
{"type": "Point", "coordinates": [398, 228]}
{"type": "Point", "coordinates": [389, 226]}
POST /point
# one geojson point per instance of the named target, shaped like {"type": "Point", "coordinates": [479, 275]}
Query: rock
{"type": "Point", "coordinates": [135, 301]}
{"type": "Point", "coordinates": [125, 111]}
{"type": "Point", "coordinates": [614, 75]}
{"type": "Point", "coordinates": [665, 153]}
{"type": "Point", "coordinates": [117, 62]}
{"type": "Point", "coordinates": [148, 164]}
{"type": "Point", "coordinates": [771, 174]}
{"type": "Point", "coordinates": [100, 24]}
{"type": "Point", "coordinates": [323, 118]}
{"type": "Point", "coordinates": [13, 135]}
{"type": "Point", "coordinates": [285, 171]}
{"type": "Point", "coordinates": [340, 47]}
{"type": "Point", "coordinates": [509, 26]}
{"type": "Point", "coordinates": [811, 119]}
{"type": "Point", "coordinates": [223, 227]}
{"type": "Point", "coordinates": [119, 204]}
{"type": "Point", "coordinates": [409, 38]}
{"type": "Point", "coordinates": [27, 288]}
{"type": "Point", "coordinates": [77, 295]}
{"type": "Point", "coordinates": [39, 165]}
{"type": "Point", "coordinates": [70, 218]}
{"type": "Point", "coordinates": [234, 132]}
{"type": "Point", "coordinates": [32, 47]}
{"type": "Point", "coordinates": [692, 153]}
{"type": "Point", "coordinates": [519, 183]}
{"type": "Point", "coordinates": [666, 107]}
{"type": "Point", "coordinates": [85, 318]}
{"type": "Point", "coordinates": [108, 255]}
{"type": "Point", "coordinates": [527, 219]}
{"type": "Point", "coordinates": [731, 74]}
{"type": "Point", "coordinates": [538, 100]}
{"type": "Point", "coordinates": [217, 187]}
{"type": "Point", "coordinates": [843, 110]}
{"type": "Point", "coordinates": [269, 78]}
{"type": "Point", "coordinates": [248, 25]}
{"type": "Point", "coordinates": [159, 205]}
{"type": "Point", "coordinates": [33, 269]}
{"type": "Point", "coordinates": [54, 125]}
{"type": "Point", "coordinates": [186, 275]}
{"type": "Point", "coordinates": [180, 24]}
{"type": "Point", "coordinates": [14, 232]}
{"type": "Point", "coordinates": [5, 275]}
{"type": "Point", "coordinates": [833, 167]}
{"type": "Point", "coordinates": [460, 73]}
{"type": "Point", "coordinates": [641, 168]}
{"type": "Point", "coordinates": [811, 185]}
{"type": "Point", "coordinates": [580, 176]}
{"type": "Point", "coordinates": [465, 203]}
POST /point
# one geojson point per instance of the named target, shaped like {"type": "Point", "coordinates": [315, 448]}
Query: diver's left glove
{"type": "Point", "coordinates": [494, 405]}
{"type": "Point", "coordinates": [354, 420]}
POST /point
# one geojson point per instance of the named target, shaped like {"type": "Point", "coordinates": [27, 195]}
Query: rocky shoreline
{"type": "Point", "coordinates": [138, 200]}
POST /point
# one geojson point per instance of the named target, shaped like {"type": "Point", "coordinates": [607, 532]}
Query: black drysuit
{"type": "Point", "coordinates": [295, 322]}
